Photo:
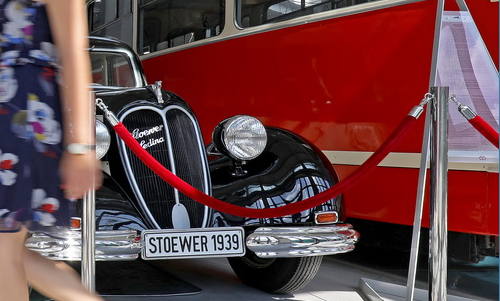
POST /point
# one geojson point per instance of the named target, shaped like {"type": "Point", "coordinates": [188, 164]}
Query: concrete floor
{"type": "Point", "coordinates": [337, 280]}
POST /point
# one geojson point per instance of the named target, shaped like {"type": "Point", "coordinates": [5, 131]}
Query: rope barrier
{"type": "Point", "coordinates": [485, 129]}
{"type": "Point", "coordinates": [477, 122]}
{"type": "Point", "coordinates": [289, 209]}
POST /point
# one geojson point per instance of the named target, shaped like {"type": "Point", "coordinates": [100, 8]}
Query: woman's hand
{"type": "Point", "coordinates": [79, 173]}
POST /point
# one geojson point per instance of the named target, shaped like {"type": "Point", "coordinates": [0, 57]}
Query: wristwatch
{"type": "Point", "coordinates": [79, 148]}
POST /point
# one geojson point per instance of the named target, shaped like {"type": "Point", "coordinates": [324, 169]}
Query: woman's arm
{"type": "Point", "coordinates": [69, 29]}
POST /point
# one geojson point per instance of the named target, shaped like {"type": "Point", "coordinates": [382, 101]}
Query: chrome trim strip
{"type": "Point", "coordinates": [231, 30]}
{"type": "Point", "coordinates": [410, 160]}
{"type": "Point", "coordinates": [135, 24]}
{"type": "Point", "coordinates": [230, 27]}
{"type": "Point", "coordinates": [133, 182]}
{"type": "Point", "coordinates": [269, 242]}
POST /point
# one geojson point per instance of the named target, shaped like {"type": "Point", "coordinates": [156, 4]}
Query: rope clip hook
{"type": "Point", "coordinates": [467, 112]}
{"type": "Point", "coordinates": [418, 109]}
{"type": "Point", "coordinates": [110, 116]}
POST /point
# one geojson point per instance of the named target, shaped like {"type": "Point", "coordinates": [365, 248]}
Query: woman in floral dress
{"type": "Point", "coordinates": [44, 106]}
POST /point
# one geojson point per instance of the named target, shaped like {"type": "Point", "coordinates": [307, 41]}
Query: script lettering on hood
{"type": "Point", "coordinates": [143, 136]}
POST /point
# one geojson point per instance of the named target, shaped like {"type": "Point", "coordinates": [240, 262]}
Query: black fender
{"type": "Point", "coordinates": [114, 210]}
{"type": "Point", "coordinates": [289, 170]}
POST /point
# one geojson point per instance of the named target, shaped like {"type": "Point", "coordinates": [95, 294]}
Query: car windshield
{"type": "Point", "coordinates": [112, 69]}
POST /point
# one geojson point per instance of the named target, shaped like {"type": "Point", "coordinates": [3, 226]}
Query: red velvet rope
{"type": "Point", "coordinates": [485, 129]}
{"type": "Point", "coordinates": [288, 209]}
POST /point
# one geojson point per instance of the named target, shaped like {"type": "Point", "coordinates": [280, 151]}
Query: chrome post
{"type": "Point", "coordinates": [88, 229]}
{"type": "Point", "coordinates": [417, 222]}
{"type": "Point", "coordinates": [438, 240]}
{"type": "Point", "coordinates": [88, 241]}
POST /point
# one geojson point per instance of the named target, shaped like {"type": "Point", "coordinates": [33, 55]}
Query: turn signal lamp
{"type": "Point", "coordinates": [76, 223]}
{"type": "Point", "coordinates": [327, 217]}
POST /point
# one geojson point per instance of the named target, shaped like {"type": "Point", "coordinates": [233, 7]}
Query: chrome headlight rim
{"type": "Point", "coordinates": [241, 137]}
{"type": "Point", "coordinates": [102, 139]}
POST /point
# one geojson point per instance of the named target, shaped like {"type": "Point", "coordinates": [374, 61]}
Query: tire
{"type": "Point", "coordinates": [277, 275]}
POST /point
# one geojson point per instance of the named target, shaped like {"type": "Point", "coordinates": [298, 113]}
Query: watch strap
{"type": "Point", "coordinates": [79, 148]}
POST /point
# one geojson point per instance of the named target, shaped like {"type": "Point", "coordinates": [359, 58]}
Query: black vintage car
{"type": "Point", "coordinates": [139, 215]}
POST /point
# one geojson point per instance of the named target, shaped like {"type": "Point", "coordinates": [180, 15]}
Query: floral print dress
{"type": "Point", "coordinates": [30, 121]}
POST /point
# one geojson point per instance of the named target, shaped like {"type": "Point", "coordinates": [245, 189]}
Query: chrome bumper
{"type": "Point", "coordinates": [266, 242]}
{"type": "Point", "coordinates": [269, 242]}
{"type": "Point", "coordinates": [110, 245]}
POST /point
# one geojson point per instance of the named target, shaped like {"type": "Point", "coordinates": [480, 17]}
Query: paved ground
{"type": "Point", "coordinates": [337, 279]}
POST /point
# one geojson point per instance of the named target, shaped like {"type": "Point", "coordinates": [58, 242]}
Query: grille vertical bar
{"type": "Point", "coordinates": [149, 127]}
{"type": "Point", "coordinates": [187, 159]}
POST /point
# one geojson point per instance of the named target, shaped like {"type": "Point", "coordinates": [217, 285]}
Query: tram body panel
{"type": "Point", "coordinates": [337, 82]}
{"type": "Point", "coordinates": [472, 207]}
{"type": "Point", "coordinates": [343, 82]}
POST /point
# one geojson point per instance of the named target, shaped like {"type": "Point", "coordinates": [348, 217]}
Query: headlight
{"type": "Point", "coordinates": [102, 139]}
{"type": "Point", "coordinates": [240, 137]}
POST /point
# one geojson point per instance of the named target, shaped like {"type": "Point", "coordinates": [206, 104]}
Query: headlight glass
{"type": "Point", "coordinates": [244, 137]}
{"type": "Point", "coordinates": [102, 139]}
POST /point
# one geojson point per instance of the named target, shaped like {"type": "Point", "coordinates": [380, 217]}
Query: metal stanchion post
{"type": "Point", "coordinates": [88, 241]}
{"type": "Point", "coordinates": [88, 229]}
{"type": "Point", "coordinates": [419, 206]}
{"type": "Point", "coordinates": [438, 250]}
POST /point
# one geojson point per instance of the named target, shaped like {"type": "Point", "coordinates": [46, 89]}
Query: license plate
{"type": "Point", "coordinates": [192, 243]}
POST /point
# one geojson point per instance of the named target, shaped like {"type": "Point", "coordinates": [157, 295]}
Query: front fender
{"type": "Point", "coordinates": [289, 170]}
{"type": "Point", "coordinates": [114, 210]}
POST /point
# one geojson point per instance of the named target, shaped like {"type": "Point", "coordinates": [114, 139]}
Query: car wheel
{"type": "Point", "coordinates": [275, 275]}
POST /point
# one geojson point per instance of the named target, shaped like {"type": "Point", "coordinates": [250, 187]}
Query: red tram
{"type": "Point", "coordinates": [342, 74]}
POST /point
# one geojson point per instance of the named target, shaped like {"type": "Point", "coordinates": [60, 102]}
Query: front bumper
{"type": "Point", "coordinates": [116, 245]}
{"type": "Point", "coordinates": [266, 242]}
{"type": "Point", "coordinates": [271, 242]}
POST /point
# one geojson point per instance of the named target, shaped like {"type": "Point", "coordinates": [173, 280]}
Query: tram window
{"type": "Point", "coordinates": [103, 12]}
{"type": "Point", "coordinates": [124, 7]}
{"type": "Point", "coordinates": [169, 23]}
{"type": "Point", "coordinates": [256, 12]}
{"type": "Point", "coordinates": [121, 29]}
{"type": "Point", "coordinates": [110, 69]}
{"type": "Point", "coordinates": [112, 18]}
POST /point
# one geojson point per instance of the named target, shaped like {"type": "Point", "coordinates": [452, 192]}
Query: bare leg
{"type": "Point", "coordinates": [56, 280]}
{"type": "Point", "coordinates": [13, 283]}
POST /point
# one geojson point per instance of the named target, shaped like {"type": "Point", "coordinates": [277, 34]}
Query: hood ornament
{"type": "Point", "coordinates": [156, 90]}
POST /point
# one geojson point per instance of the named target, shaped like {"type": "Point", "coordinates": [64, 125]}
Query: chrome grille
{"type": "Point", "coordinates": [172, 137]}
{"type": "Point", "coordinates": [187, 163]}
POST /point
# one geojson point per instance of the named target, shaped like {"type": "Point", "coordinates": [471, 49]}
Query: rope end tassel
{"type": "Point", "coordinates": [289, 209]}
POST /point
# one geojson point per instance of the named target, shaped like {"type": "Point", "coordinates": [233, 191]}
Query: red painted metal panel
{"type": "Point", "coordinates": [343, 84]}
{"type": "Point", "coordinates": [492, 207]}
{"type": "Point", "coordinates": [472, 199]}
